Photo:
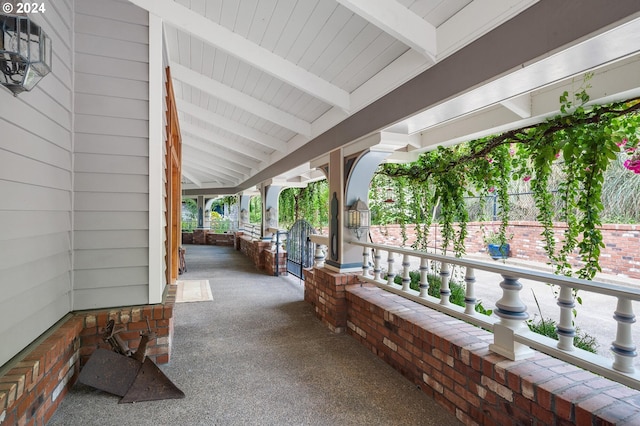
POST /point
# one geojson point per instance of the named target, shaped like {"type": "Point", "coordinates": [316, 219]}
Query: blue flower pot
{"type": "Point", "coordinates": [498, 251]}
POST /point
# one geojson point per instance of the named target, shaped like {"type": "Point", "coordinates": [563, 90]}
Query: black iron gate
{"type": "Point", "coordinates": [300, 249]}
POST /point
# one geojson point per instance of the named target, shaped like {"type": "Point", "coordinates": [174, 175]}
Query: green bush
{"type": "Point", "coordinates": [457, 289]}
{"type": "Point", "coordinates": [547, 327]}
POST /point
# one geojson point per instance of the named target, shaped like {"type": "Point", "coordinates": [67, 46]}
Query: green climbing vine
{"type": "Point", "coordinates": [310, 203]}
{"type": "Point", "coordinates": [580, 142]}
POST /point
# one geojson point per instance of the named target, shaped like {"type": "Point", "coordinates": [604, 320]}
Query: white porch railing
{"type": "Point", "coordinates": [252, 230]}
{"type": "Point", "coordinates": [512, 337]}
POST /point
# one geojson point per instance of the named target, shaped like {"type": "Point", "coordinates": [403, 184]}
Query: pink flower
{"type": "Point", "coordinates": [490, 160]}
{"type": "Point", "coordinates": [526, 178]}
{"type": "Point", "coordinates": [492, 189]}
{"type": "Point", "coordinates": [558, 154]}
{"type": "Point", "coordinates": [512, 152]}
{"type": "Point", "coordinates": [633, 164]}
{"type": "Point", "coordinates": [622, 143]}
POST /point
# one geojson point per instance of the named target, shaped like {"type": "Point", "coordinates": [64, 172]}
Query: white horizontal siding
{"type": "Point", "coordinates": [104, 220]}
{"type": "Point", "coordinates": [36, 193]}
{"type": "Point", "coordinates": [110, 296]}
{"type": "Point", "coordinates": [115, 239]}
{"type": "Point", "coordinates": [111, 160]}
{"type": "Point", "coordinates": [105, 144]}
{"type": "Point", "coordinates": [111, 86]}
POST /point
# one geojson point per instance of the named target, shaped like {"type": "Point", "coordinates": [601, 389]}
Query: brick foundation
{"type": "Point", "coordinates": [32, 389]}
{"type": "Point", "coordinates": [326, 292]}
{"type": "Point", "coordinates": [254, 250]}
{"type": "Point", "coordinates": [270, 262]}
{"type": "Point", "coordinates": [206, 237]}
{"type": "Point", "coordinates": [450, 361]}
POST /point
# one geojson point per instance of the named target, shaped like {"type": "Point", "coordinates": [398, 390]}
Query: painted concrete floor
{"type": "Point", "coordinates": [257, 355]}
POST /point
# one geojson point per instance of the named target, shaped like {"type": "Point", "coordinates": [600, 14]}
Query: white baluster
{"type": "Point", "coordinates": [390, 273]}
{"type": "Point", "coordinates": [376, 264]}
{"type": "Point", "coordinates": [406, 277]}
{"type": "Point", "coordinates": [319, 256]}
{"type": "Point", "coordinates": [445, 292]}
{"type": "Point", "coordinates": [470, 294]}
{"type": "Point", "coordinates": [565, 328]}
{"type": "Point", "coordinates": [513, 313]}
{"type": "Point", "coordinates": [365, 261]}
{"type": "Point", "coordinates": [424, 280]}
{"type": "Point", "coordinates": [623, 349]}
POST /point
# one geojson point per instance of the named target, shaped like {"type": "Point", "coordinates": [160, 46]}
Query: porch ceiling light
{"type": "Point", "coordinates": [25, 53]}
{"type": "Point", "coordinates": [358, 218]}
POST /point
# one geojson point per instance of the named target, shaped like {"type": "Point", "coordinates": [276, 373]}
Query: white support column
{"type": "Point", "coordinates": [513, 313]}
{"type": "Point", "coordinates": [445, 292]}
{"type": "Point", "coordinates": [365, 261]}
{"type": "Point", "coordinates": [424, 277]}
{"type": "Point", "coordinates": [470, 295]}
{"type": "Point", "coordinates": [565, 328]}
{"type": "Point", "coordinates": [623, 348]}
{"type": "Point", "coordinates": [390, 273]}
{"type": "Point", "coordinates": [376, 264]}
{"type": "Point", "coordinates": [318, 259]}
{"type": "Point", "coordinates": [406, 276]}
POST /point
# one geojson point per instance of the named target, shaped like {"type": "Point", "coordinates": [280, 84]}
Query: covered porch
{"type": "Point", "coordinates": [256, 354]}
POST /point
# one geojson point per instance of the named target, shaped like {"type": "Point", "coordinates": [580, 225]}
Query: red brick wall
{"type": "Point", "coordinates": [450, 361]}
{"type": "Point", "coordinates": [214, 239]}
{"type": "Point", "coordinates": [254, 250]}
{"type": "Point", "coordinates": [621, 256]}
{"type": "Point", "coordinates": [270, 262]}
{"type": "Point", "coordinates": [326, 292]}
{"type": "Point", "coordinates": [32, 389]}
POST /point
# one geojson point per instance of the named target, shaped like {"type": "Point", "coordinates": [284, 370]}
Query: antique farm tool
{"type": "Point", "coordinates": [125, 373]}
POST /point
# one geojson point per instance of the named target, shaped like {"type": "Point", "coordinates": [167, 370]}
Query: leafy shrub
{"type": "Point", "coordinates": [435, 282]}
{"type": "Point", "coordinates": [547, 327]}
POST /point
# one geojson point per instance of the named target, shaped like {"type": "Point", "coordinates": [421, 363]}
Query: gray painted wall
{"type": "Point", "coordinates": [36, 192]}
{"type": "Point", "coordinates": [111, 161]}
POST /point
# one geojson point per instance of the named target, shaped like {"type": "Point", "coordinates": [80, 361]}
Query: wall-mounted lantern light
{"type": "Point", "coordinates": [25, 53]}
{"type": "Point", "coordinates": [358, 218]}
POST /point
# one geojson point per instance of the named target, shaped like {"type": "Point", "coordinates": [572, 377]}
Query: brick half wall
{"type": "Point", "coordinates": [451, 362]}
{"type": "Point", "coordinates": [33, 387]}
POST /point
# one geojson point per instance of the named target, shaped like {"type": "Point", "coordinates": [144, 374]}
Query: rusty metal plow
{"type": "Point", "coordinates": [130, 375]}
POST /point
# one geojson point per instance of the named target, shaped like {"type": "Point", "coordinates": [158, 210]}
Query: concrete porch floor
{"type": "Point", "coordinates": [257, 355]}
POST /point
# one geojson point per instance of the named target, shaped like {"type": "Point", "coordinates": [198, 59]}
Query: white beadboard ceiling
{"type": "Point", "coordinates": [256, 80]}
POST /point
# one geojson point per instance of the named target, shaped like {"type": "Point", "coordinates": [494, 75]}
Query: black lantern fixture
{"type": "Point", "coordinates": [25, 53]}
{"type": "Point", "coordinates": [358, 218]}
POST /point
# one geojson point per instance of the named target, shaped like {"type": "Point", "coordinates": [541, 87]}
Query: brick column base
{"type": "Point", "coordinates": [325, 291]}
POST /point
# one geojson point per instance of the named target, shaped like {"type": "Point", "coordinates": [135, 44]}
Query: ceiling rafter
{"type": "Point", "coordinates": [204, 147]}
{"type": "Point", "coordinates": [231, 126]}
{"type": "Point", "coordinates": [212, 161]}
{"type": "Point", "coordinates": [399, 22]}
{"type": "Point", "coordinates": [204, 144]}
{"type": "Point", "coordinates": [221, 141]}
{"type": "Point", "coordinates": [240, 99]}
{"type": "Point", "coordinates": [197, 182]}
{"type": "Point", "coordinates": [199, 165]}
{"type": "Point", "coordinates": [208, 31]}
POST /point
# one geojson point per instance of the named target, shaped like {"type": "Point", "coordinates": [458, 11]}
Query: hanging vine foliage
{"type": "Point", "coordinates": [581, 141]}
{"type": "Point", "coordinates": [310, 203]}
